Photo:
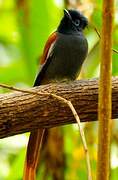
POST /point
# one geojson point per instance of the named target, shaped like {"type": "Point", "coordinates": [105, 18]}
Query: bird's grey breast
{"type": "Point", "coordinates": [69, 53]}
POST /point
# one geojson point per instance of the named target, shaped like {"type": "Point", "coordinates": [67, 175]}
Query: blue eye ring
{"type": "Point", "coordinates": [77, 22]}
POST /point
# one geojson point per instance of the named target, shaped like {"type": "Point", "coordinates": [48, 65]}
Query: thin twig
{"type": "Point", "coordinates": [115, 51]}
{"type": "Point", "coordinates": [74, 114]}
{"type": "Point", "coordinates": [83, 139]}
{"type": "Point", "coordinates": [98, 33]}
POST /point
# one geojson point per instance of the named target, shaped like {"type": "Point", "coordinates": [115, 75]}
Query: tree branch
{"type": "Point", "coordinates": [22, 111]}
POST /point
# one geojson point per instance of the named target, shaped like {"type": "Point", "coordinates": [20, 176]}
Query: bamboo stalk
{"type": "Point", "coordinates": [104, 111]}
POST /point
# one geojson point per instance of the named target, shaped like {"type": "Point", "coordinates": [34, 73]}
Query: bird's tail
{"type": "Point", "coordinates": [33, 153]}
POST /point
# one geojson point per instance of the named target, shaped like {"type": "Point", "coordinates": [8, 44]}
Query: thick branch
{"type": "Point", "coordinates": [22, 112]}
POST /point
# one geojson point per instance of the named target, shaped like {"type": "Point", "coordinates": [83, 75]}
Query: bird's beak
{"type": "Point", "coordinates": [67, 14]}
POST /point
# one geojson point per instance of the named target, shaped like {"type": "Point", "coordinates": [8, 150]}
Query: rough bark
{"type": "Point", "coordinates": [22, 112]}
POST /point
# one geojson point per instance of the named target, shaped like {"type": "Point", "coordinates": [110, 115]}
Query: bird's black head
{"type": "Point", "coordinates": [72, 22]}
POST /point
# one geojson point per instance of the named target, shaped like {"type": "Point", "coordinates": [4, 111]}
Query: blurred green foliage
{"type": "Point", "coordinates": [24, 27]}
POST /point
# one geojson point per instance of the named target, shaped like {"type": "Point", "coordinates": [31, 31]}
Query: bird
{"type": "Point", "coordinates": [62, 59]}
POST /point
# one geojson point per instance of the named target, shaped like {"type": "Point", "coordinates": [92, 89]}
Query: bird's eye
{"type": "Point", "coordinates": [77, 22]}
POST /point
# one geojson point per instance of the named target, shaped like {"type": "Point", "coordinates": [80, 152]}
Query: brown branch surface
{"type": "Point", "coordinates": [22, 112]}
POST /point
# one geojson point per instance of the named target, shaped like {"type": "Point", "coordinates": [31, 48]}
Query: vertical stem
{"type": "Point", "coordinates": [104, 112]}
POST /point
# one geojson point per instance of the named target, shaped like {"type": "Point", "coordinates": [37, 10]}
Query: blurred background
{"type": "Point", "coordinates": [24, 28]}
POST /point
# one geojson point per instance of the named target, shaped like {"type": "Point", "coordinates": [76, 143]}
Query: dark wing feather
{"type": "Point", "coordinates": [41, 74]}
{"type": "Point", "coordinates": [46, 57]}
